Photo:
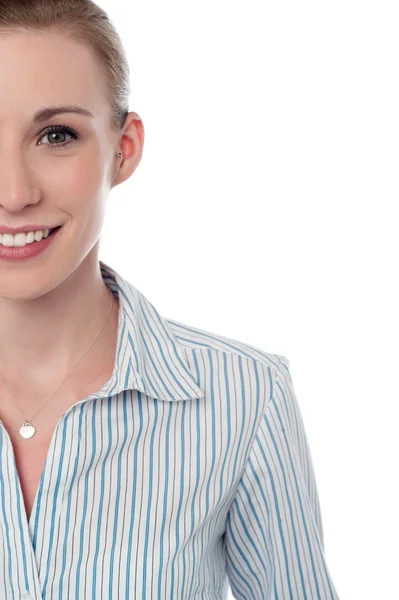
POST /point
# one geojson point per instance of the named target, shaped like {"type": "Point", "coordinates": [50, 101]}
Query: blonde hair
{"type": "Point", "coordinates": [85, 22]}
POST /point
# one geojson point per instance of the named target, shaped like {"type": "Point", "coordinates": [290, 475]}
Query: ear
{"type": "Point", "coordinates": [131, 145]}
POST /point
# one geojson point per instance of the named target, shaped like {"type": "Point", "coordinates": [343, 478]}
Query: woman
{"type": "Point", "coordinates": [139, 457]}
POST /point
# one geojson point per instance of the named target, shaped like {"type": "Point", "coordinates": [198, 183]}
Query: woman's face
{"type": "Point", "coordinates": [56, 179]}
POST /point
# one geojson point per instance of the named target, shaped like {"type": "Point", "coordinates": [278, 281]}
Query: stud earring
{"type": "Point", "coordinates": [120, 154]}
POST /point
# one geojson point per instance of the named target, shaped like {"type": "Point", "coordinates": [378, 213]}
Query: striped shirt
{"type": "Point", "coordinates": [186, 476]}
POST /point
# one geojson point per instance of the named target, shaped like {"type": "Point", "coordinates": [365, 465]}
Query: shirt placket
{"type": "Point", "coordinates": [20, 578]}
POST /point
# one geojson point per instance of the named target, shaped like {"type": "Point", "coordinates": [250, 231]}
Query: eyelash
{"type": "Point", "coordinates": [61, 129]}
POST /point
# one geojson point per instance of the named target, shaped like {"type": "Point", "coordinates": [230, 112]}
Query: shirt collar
{"type": "Point", "coordinates": [148, 356]}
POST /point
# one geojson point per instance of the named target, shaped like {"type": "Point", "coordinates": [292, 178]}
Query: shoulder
{"type": "Point", "coordinates": [197, 339]}
{"type": "Point", "coordinates": [240, 378]}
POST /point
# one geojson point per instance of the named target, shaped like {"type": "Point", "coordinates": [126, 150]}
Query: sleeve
{"type": "Point", "coordinates": [273, 540]}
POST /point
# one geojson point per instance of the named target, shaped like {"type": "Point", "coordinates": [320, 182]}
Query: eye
{"type": "Point", "coordinates": [55, 131]}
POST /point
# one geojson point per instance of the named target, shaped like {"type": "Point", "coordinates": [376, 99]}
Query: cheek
{"type": "Point", "coordinates": [85, 198]}
{"type": "Point", "coordinates": [75, 180]}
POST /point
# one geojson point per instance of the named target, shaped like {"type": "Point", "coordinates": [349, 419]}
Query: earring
{"type": "Point", "coordinates": [120, 154]}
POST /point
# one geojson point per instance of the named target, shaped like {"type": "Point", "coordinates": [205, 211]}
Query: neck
{"type": "Point", "coordinates": [42, 338]}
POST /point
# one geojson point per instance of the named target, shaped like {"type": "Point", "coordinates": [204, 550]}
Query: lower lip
{"type": "Point", "coordinates": [28, 251]}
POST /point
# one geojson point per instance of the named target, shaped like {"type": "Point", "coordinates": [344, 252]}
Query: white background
{"type": "Point", "coordinates": [264, 210]}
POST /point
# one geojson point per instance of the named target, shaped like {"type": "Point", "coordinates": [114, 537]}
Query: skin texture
{"type": "Point", "coordinates": [53, 305]}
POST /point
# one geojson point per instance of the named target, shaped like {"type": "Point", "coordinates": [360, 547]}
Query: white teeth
{"type": "Point", "coordinates": [21, 239]}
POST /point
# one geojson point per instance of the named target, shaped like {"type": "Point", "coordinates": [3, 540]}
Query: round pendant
{"type": "Point", "coordinates": [27, 430]}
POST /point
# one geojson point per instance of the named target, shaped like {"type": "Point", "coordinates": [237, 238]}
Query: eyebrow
{"type": "Point", "coordinates": [46, 113]}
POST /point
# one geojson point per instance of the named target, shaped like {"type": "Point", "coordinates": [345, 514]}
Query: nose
{"type": "Point", "coordinates": [17, 188]}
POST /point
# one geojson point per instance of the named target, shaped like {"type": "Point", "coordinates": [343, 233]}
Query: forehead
{"type": "Point", "coordinates": [47, 68]}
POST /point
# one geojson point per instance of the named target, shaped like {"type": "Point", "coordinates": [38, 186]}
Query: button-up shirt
{"type": "Point", "coordinates": [188, 474]}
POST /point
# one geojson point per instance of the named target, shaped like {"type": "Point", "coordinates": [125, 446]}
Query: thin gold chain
{"type": "Point", "coordinates": [74, 367]}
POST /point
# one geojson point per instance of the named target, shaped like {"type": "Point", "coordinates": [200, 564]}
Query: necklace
{"type": "Point", "coordinates": [27, 430]}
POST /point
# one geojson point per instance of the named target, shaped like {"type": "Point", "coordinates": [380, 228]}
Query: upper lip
{"type": "Point", "coordinates": [24, 228]}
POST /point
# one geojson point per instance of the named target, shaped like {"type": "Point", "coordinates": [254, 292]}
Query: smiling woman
{"type": "Point", "coordinates": [172, 458]}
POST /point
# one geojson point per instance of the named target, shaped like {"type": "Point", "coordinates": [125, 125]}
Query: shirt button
{"type": "Point", "coordinates": [26, 596]}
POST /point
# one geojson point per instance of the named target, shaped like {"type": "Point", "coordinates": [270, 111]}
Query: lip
{"type": "Point", "coordinates": [25, 228]}
{"type": "Point", "coordinates": [21, 253]}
